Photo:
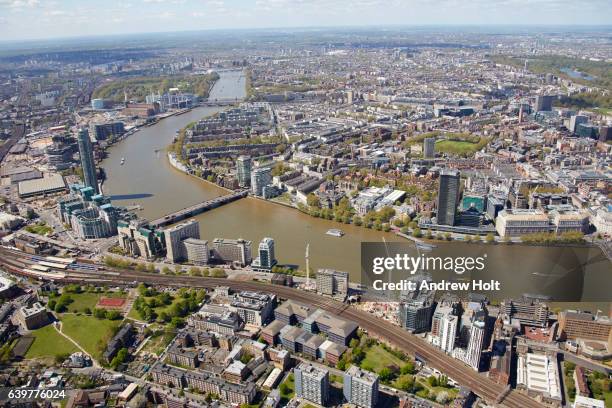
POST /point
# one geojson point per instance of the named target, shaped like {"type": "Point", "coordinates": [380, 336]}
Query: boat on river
{"type": "Point", "coordinates": [335, 232]}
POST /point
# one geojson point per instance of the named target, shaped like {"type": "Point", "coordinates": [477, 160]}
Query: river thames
{"type": "Point", "coordinates": [147, 179]}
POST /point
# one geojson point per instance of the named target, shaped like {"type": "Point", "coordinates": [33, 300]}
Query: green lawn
{"type": "Point", "coordinates": [336, 378]}
{"type": "Point", "coordinates": [81, 301]}
{"type": "Point", "coordinates": [89, 332]}
{"type": "Point", "coordinates": [49, 343]}
{"type": "Point", "coordinates": [158, 342]}
{"type": "Point", "coordinates": [378, 358]}
{"type": "Point", "coordinates": [459, 147]}
{"type": "Point", "coordinates": [287, 388]}
{"type": "Point", "coordinates": [39, 229]}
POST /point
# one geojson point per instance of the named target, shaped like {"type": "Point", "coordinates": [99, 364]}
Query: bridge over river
{"type": "Point", "coordinates": [198, 209]}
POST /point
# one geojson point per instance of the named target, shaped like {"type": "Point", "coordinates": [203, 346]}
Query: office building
{"type": "Point", "coordinates": [580, 325]}
{"type": "Point", "coordinates": [32, 317]}
{"type": "Point", "coordinates": [243, 171]}
{"type": "Point", "coordinates": [416, 310]}
{"type": "Point", "coordinates": [312, 383]}
{"type": "Point", "coordinates": [575, 120]}
{"type": "Point", "coordinates": [336, 329]}
{"type": "Point", "coordinates": [429, 147]}
{"type": "Point", "coordinates": [448, 196]}
{"type": "Point", "coordinates": [260, 178]}
{"type": "Point", "coordinates": [477, 338]}
{"type": "Point", "coordinates": [99, 104]}
{"type": "Point", "coordinates": [254, 308]}
{"type": "Point", "coordinates": [103, 131]}
{"type": "Point", "coordinates": [332, 283]}
{"type": "Point", "coordinates": [266, 258]}
{"type": "Point", "coordinates": [569, 220]}
{"type": "Point", "coordinates": [137, 238]}
{"type": "Point", "coordinates": [360, 387]}
{"type": "Point", "coordinates": [544, 103]}
{"type": "Point", "coordinates": [94, 222]}
{"type": "Point", "coordinates": [605, 133]}
{"type": "Point", "coordinates": [445, 323]}
{"type": "Point", "coordinates": [87, 160]}
{"type": "Point", "coordinates": [516, 222]}
{"type": "Point", "coordinates": [90, 216]}
{"type": "Point", "coordinates": [197, 251]}
{"type": "Point", "coordinates": [175, 237]}
{"type": "Point", "coordinates": [236, 251]}
{"type": "Point", "coordinates": [477, 201]}
{"type": "Point", "coordinates": [530, 311]}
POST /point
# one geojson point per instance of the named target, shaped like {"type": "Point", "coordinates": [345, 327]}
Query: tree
{"type": "Point", "coordinates": [284, 389]}
{"type": "Point", "coordinates": [358, 355]}
{"type": "Point", "coordinates": [60, 358]}
{"type": "Point", "coordinates": [340, 365]}
{"type": "Point", "coordinates": [385, 374]}
{"type": "Point", "coordinates": [120, 358]}
{"type": "Point", "coordinates": [177, 322]}
{"type": "Point", "coordinates": [443, 381]}
{"type": "Point", "coordinates": [313, 201]}
{"type": "Point", "coordinates": [442, 397]}
{"type": "Point", "coordinates": [407, 368]}
{"type": "Point", "coordinates": [432, 381]}
{"type": "Point", "coordinates": [405, 383]}
{"type": "Point", "coordinates": [113, 315]}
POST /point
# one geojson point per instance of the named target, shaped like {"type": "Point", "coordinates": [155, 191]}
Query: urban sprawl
{"type": "Point", "coordinates": [433, 138]}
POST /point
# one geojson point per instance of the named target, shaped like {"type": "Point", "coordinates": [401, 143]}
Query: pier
{"type": "Point", "coordinates": [198, 209]}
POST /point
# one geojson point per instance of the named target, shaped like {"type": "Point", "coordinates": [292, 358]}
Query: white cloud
{"type": "Point", "coordinates": [18, 4]}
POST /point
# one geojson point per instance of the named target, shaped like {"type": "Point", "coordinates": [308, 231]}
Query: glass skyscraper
{"type": "Point", "coordinates": [243, 170]}
{"type": "Point", "coordinates": [87, 160]}
{"type": "Point", "coordinates": [448, 196]}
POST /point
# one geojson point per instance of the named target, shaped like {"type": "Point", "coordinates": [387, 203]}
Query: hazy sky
{"type": "Point", "coordinates": [27, 19]}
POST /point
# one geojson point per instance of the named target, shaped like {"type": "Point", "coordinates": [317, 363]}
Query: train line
{"type": "Point", "coordinates": [15, 262]}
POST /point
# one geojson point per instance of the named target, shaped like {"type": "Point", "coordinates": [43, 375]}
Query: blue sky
{"type": "Point", "coordinates": [28, 19]}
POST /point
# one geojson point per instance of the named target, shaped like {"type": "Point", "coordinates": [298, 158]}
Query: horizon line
{"type": "Point", "coordinates": [360, 27]}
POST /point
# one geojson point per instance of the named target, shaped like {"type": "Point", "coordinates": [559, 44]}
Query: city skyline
{"type": "Point", "coordinates": [63, 19]}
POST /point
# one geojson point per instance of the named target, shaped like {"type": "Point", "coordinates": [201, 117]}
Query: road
{"type": "Point", "coordinates": [481, 385]}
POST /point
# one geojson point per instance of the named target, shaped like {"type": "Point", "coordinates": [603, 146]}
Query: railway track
{"type": "Point", "coordinates": [479, 384]}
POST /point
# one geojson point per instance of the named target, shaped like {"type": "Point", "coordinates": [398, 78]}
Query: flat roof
{"type": "Point", "coordinates": [53, 182]}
